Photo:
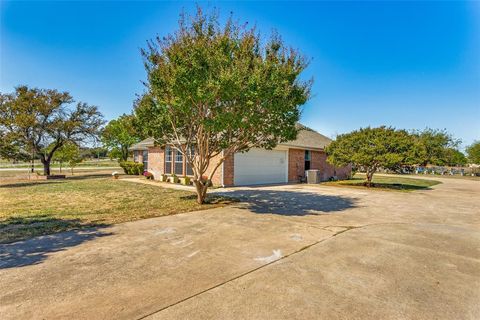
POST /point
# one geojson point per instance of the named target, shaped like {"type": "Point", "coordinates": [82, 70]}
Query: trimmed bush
{"type": "Point", "coordinates": [132, 168]}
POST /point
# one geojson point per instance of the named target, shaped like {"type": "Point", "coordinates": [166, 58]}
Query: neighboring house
{"type": "Point", "coordinates": [285, 163]}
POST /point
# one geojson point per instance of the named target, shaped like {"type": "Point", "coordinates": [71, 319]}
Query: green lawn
{"type": "Point", "coordinates": [386, 183]}
{"type": "Point", "coordinates": [32, 208]}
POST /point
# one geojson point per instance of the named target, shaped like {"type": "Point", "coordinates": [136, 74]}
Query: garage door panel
{"type": "Point", "coordinates": [260, 166]}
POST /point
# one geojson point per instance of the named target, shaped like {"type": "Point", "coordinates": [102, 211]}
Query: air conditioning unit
{"type": "Point", "coordinates": [313, 176]}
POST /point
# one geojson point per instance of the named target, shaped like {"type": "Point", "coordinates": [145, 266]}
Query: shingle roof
{"type": "Point", "coordinates": [142, 145]}
{"type": "Point", "coordinates": [306, 139]}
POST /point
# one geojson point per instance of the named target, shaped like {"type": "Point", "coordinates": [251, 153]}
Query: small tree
{"type": "Point", "coordinates": [473, 152]}
{"type": "Point", "coordinates": [68, 153]}
{"type": "Point", "coordinates": [118, 135]}
{"type": "Point", "coordinates": [215, 90]}
{"type": "Point", "coordinates": [371, 149]}
{"type": "Point", "coordinates": [42, 121]}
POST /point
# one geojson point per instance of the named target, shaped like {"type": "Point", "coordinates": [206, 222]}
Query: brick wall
{"type": "Point", "coordinates": [217, 177]}
{"type": "Point", "coordinates": [156, 161]}
{"type": "Point", "coordinates": [296, 164]}
{"type": "Point", "coordinates": [319, 161]}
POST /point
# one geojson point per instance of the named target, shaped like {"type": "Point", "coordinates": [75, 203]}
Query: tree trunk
{"type": "Point", "coordinates": [124, 153]}
{"type": "Point", "coordinates": [60, 167]}
{"type": "Point", "coordinates": [46, 167]}
{"type": "Point", "coordinates": [369, 178]}
{"type": "Point", "coordinates": [201, 188]}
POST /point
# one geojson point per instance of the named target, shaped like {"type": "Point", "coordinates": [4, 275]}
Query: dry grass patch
{"type": "Point", "coordinates": [34, 208]}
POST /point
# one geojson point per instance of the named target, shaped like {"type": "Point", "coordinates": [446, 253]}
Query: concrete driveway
{"type": "Point", "coordinates": [294, 251]}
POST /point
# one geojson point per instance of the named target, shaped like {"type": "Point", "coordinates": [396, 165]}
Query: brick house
{"type": "Point", "coordinates": [286, 163]}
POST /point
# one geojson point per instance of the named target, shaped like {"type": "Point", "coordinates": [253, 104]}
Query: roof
{"type": "Point", "coordinates": [142, 145]}
{"type": "Point", "coordinates": [306, 139]}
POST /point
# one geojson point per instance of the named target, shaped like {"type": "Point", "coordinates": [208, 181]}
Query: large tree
{"type": "Point", "coordinates": [370, 149]}
{"type": "Point", "coordinates": [473, 152]}
{"type": "Point", "coordinates": [40, 121]}
{"type": "Point", "coordinates": [215, 89]}
{"type": "Point", "coordinates": [118, 135]}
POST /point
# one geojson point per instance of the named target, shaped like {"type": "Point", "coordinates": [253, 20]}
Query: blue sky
{"type": "Point", "coordinates": [406, 64]}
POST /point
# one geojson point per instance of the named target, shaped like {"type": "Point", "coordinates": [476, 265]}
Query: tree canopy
{"type": "Point", "coordinates": [118, 135]}
{"type": "Point", "coordinates": [433, 146]}
{"type": "Point", "coordinates": [218, 89]}
{"type": "Point", "coordinates": [40, 121]}
{"type": "Point", "coordinates": [371, 149]}
{"type": "Point", "coordinates": [454, 157]}
{"type": "Point", "coordinates": [473, 152]}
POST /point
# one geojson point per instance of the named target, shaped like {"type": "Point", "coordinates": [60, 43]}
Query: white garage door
{"type": "Point", "coordinates": [259, 166]}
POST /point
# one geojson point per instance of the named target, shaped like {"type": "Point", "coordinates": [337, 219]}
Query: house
{"type": "Point", "coordinates": [286, 163]}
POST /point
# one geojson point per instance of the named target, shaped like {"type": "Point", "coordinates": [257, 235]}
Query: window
{"type": "Point", "coordinates": [188, 166]}
{"type": "Point", "coordinates": [307, 159]}
{"type": "Point", "coordinates": [145, 160]}
{"type": "Point", "coordinates": [135, 156]}
{"type": "Point", "coordinates": [178, 162]}
{"type": "Point", "coordinates": [168, 160]}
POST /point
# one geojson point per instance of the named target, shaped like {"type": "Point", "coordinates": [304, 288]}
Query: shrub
{"type": "Point", "coordinates": [132, 168]}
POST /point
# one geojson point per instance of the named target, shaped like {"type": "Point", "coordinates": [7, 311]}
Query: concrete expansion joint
{"type": "Point", "coordinates": [347, 228]}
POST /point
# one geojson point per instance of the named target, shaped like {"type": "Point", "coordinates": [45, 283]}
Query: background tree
{"type": "Point", "coordinates": [432, 146]}
{"type": "Point", "coordinates": [455, 158]}
{"type": "Point", "coordinates": [371, 149]}
{"type": "Point", "coordinates": [42, 121]}
{"type": "Point", "coordinates": [473, 152]}
{"type": "Point", "coordinates": [68, 153]}
{"type": "Point", "coordinates": [118, 135]}
{"type": "Point", "coordinates": [214, 90]}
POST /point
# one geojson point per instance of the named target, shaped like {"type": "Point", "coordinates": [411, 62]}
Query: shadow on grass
{"type": "Point", "coordinates": [403, 186]}
{"type": "Point", "coordinates": [89, 176]}
{"type": "Point", "coordinates": [33, 183]}
{"type": "Point", "coordinates": [36, 250]}
{"type": "Point", "coordinates": [291, 203]}
{"type": "Point", "coordinates": [28, 184]}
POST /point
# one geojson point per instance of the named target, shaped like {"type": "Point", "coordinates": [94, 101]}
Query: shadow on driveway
{"type": "Point", "coordinates": [36, 250]}
{"type": "Point", "coordinates": [291, 203]}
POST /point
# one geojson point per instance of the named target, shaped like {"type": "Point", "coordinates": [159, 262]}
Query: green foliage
{"type": "Point", "coordinates": [40, 121]}
{"type": "Point", "coordinates": [118, 135]}
{"type": "Point", "coordinates": [68, 153]}
{"type": "Point", "coordinates": [433, 146]}
{"type": "Point", "coordinates": [454, 157]}
{"type": "Point", "coordinates": [96, 152]}
{"type": "Point", "coordinates": [371, 149]}
{"type": "Point", "coordinates": [473, 152]}
{"type": "Point", "coordinates": [132, 168]}
{"type": "Point", "coordinates": [11, 149]}
{"type": "Point", "coordinates": [217, 89]}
